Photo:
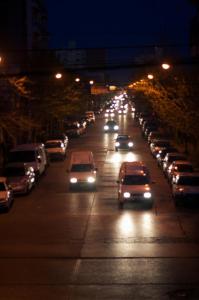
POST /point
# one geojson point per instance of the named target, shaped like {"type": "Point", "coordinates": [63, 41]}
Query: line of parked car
{"type": "Point", "coordinates": [27, 162]}
{"type": "Point", "coordinates": [177, 168]}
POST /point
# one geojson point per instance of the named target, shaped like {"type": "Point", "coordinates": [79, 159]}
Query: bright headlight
{"type": "Point", "coordinates": [106, 115]}
{"type": "Point", "coordinates": [73, 180]}
{"type": "Point", "coordinates": [158, 155]}
{"type": "Point", "coordinates": [116, 127]}
{"type": "Point", "coordinates": [117, 144]}
{"type": "Point", "coordinates": [147, 195]}
{"type": "Point", "coordinates": [91, 179]}
{"type": "Point", "coordinates": [106, 127]}
{"type": "Point", "coordinates": [130, 144]}
{"type": "Point", "coordinates": [127, 195]}
{"type": "Point", "coordinates": [112, 114]}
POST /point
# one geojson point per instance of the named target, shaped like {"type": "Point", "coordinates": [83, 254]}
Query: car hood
{"type": "Point", "coordinates": [136, 188]}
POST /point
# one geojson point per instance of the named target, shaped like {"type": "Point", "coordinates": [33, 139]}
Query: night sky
{"type": "Point", "coordinates": [111, 23]}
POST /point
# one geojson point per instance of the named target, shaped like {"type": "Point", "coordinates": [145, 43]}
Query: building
{"type": "Point", "coordinates": [23, 29]}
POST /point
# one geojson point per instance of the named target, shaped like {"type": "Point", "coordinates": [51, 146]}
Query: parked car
{"type": "Point", "coordinates": [90, 115]}
{"type": "Point", "coordinates": [169, 158]}
{"type": "Point", "coordinates": [133, 185]}
{"type": "Point", "coordinates": [55, 149]}
{"type": "Point", "coordinates": [34, 155]}
{"type": "Point", "coordinates": [177, 167]}
{"type": "Point", "coordinates": [72, 129]}
{"type": "Point", "coordinates": [123, 142]}
{"type": "Point", "coordinates": [158, 145]}
{"type": "Point", "coordinates": [185, 188]}
{"type": "Point", "coordinates": [59, 136]}
{"type": "Point", "coordinates": [111, 126]}
{"type": "Point", "coordinates": [162, 153]}
{"type": "Point", "coordinates": [6, 194]}
{"type": "Point", "coordinates": [20, 176]}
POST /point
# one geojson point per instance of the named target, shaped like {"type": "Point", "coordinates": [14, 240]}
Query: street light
{"type": "Point", "coordinates": [58, 76]}
{"type": "Point", "coordinates": [77, 79]}
{"type": "Point", "coordinates": [165, 66]}
{"type": "Point", "coordinates": [150, 76]}
{"type": "Point", "coordinates": [91, 82]}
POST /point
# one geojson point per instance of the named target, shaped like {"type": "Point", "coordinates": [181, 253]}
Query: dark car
{"type": "Point", "coordinates": [124, 142]}
{"type": "Point", "coordinates": [111, 126]}
{"type": "Point", "coordinates": [20, 176]}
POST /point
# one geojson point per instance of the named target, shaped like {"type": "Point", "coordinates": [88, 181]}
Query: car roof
{"type": "Point", "coordinates": [182, 162]}
{"type": "Point", "coordinates": [188, 174]}
{"type": "Point", "coordinates": [54, 141]}
{"type": "Point", "coordinates": [16, 165]}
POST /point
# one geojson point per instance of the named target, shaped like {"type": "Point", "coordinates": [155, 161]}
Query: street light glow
{"type": "Point", "coordinates": [58, 75]}
{"type": "Point", "coordinates": [91, 82]}
{"type": "Point", "coordinates": [77, 79]}
{"type": "Point", "coordinates": [150, 76]}
{"type": "Point", "coordinates": [165, 66]}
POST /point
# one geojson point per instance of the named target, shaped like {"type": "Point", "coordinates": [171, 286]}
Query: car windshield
{"type": "Point", "coordinates": [14, 171]}
{"type": "Point", "coordinates": [161, 144]}
{"type": "Point", "coordinates": [185, 168]}
{"type": "Point", "coordinates": [135, 180]}
{"type": "Point", "coordinates": [192, 181]}
{"type": "Point", "coordinates": [81, 168]}
{"type": "Point", "coordinates": [122, 137]}
{"type": "Point", "coordinates": [22, 156]}
{"type": "Point", "coordinates": [111, 123]}
{"type": "Point", "coordinates": [53, 145]}
{"type": "Point", "coordinates": [2, 187]}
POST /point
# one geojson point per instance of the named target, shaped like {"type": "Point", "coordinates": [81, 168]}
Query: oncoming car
{"type": "Point", "coordinates": [82, 170]}
{"type": "Point", "coordinates": [124, 142]}
{"type": "Point", "coordinates": [111, 126]}
{"type": "Point", "coordinates": [133, 185]}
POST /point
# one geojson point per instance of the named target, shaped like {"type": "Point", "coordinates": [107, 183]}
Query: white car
{"type": "Point", "coordinates": [185, 188]}
{"type": "Point", "coordinates": [133, 185]}
{"type": "Point", "coordinates": [56, 149]}
{"type": "Point", "coordinates": [6, 194]}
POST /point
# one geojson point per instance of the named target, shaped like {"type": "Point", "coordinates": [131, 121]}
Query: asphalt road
{"type": "Point", "coordinates": [62, 245]}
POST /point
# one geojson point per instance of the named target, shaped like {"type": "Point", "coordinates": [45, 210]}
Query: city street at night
{"type": "Point", "coordinates": [58, 244]}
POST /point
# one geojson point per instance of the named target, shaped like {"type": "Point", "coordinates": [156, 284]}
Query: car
{"type": "Point", "coordinates": [20, 176]}
{"type": "Point", "coordinates": [162, 153]}
{"type": "Point", "coordinates": [72, 129]}
{"type": "Point", "coordinates": [55, 149]}
{"type": "Point", "coordinates": [111, 126]}
{"type": "Point", "coordinates": [90, 115]}
{"type": "Point", "coordinates": [6, 194]}
{"type": "Point", "coordinates": [59, 136]}
{"type": "Point", "coordinates": [124, 142]}
{"type": "Point", "coordinates": [133, 185]}
{"type": "Point", "coordinates": [159, 144]}
{"type": "Point", "coordinates": [108, 114]}
{"type": "Point", "coordinates": [169, 158]}
{"type": "Point", "coordinates": [177, 167]}
{"type": "Point", "coordinates": [185, 188]}
{"type": "Point", "coordinates": [82, 170]}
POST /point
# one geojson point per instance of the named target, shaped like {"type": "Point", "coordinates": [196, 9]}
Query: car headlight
{"type": "Point", "coordinates": [73, 180]}
{"type": "Point", "coordinates": [117, 144]}
{"type": "Point", "coordinates": [158, 155]}
{"type": "Point", "coordinates": [127, 195]}
{"type": "Point", "coordinates": [116, 127]}
{"type": "Point", "coordinates": [112, 114]}
{"type": "Point", "coordinates": [147, 195]}
{"type": "Point", "coordinates": [106, 127]}
{"type": "Point", "coordinates": [91, 179]}
{"type": "Point", "coordinates": [106, 115]}
{"type": "Point", "coordinates": [130, 144]}
{"type": "Point", "coordinates": [119, 111]}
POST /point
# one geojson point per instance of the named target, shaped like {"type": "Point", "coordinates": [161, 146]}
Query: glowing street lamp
{"type": "Point", "coordinates": [165, 66]}
{"type": "Point", "coordinates": [58, 76]}
{"type": "Point", "coordinates": [77, 79]}
{"type": "Point", "coordinates": [150, 76]}
{"type": "Point", "coordinates": [91, 82]}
